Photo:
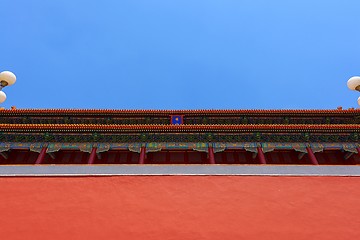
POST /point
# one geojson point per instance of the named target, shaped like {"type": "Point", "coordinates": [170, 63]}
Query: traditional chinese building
{"type": "Point", "coordinates": [313, 153]}
{"type": "Point", "coordinates": [180, 137]}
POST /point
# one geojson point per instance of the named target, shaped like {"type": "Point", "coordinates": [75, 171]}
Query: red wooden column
{"type": "Point", "coordinates": [167, 157]}
{"type": "Point", "coordinates": [353, 159]}
{"type": "Point", "coordinates": [41, 156]}
{"type": "Point", "coordinates": [142, 155]}
{"type": "Point", "coordinates": [312, 156]}
{"type": "Point", "coordinates": [224, 157]}
{"type": "Point", "coordinates": [186, 157]}
{"type": "Point", "coordinates": [92, 156]}
{"type": "Point", "coordinates": [211, 155]}
{"type": "Point", "coordinates": [261, 155]}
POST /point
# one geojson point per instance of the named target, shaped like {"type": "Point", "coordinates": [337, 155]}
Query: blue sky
{"type": "Point", "coordinates": [188, 54]}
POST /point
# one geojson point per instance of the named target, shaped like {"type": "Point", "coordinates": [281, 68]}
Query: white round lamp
{"type": "Point", "coordinates": [2, 97]}
{"type": "Point", "coordinates": [354, 83]}
{"type": "Point", "coordinates": [7, 78]}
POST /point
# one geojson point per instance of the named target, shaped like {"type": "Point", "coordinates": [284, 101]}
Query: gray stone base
{"type": "Point", "coordinates": [159, 170]}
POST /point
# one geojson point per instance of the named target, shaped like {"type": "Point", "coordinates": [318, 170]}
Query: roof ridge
{"type": "Point", "coordinates": [177, 110]}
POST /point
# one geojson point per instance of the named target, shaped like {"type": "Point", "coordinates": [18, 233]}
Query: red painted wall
{"type": "Point", "coordinates": [180, 207]}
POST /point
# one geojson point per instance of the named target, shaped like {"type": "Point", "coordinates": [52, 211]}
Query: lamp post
{"type": "Point", "coordinates": [354, 84]}
{"type": "Point", "coordinates": [6, 79]}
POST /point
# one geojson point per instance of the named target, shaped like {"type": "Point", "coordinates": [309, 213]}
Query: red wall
{"type": "Point", "coordinates": [180, 207]}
